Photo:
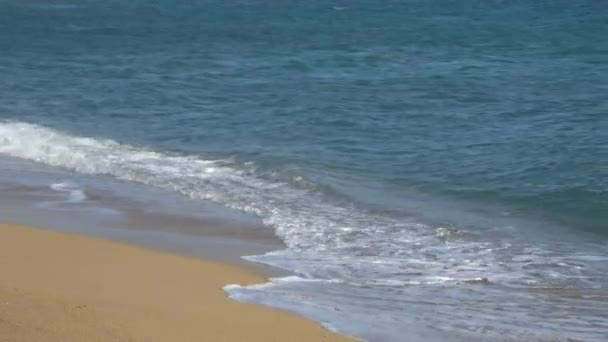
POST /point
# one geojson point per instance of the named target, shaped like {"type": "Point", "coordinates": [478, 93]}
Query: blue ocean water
{"type": "Point", "coordinates": [424, 161]}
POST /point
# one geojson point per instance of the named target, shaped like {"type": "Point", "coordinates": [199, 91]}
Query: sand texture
{"type": "Point", "coordinates": [62, 287]}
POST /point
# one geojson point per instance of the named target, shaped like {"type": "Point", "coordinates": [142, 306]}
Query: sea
{"type": "Point", "coordinates": [411, 170]}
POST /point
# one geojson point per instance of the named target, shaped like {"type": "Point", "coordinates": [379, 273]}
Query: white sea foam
{"type": "Point", "coordinates": [75, 194]}
{"type": "Point", "coordinates": [233, 288]}
{"type": "Point", "coordinates": [74, 197]}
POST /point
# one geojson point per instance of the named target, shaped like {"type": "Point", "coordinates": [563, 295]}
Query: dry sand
{"type": "Point", "coordinates": [62, 287]}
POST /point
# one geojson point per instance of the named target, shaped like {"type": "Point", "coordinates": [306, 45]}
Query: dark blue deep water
{"type": "Point", "coordinates": [423, 160]}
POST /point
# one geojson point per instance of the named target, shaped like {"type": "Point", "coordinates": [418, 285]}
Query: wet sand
{"type": "Point", "coordinates": [66, 287]}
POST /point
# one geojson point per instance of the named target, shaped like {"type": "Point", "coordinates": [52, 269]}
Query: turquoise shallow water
{"type": "Point", "coordinates": [392, 145]}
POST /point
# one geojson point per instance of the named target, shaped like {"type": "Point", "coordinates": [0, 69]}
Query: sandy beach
{"type": "Point", "coordinates": [62, 287]}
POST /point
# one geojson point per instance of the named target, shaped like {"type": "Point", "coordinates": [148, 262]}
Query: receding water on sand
{"type": "Point", "coordinates": [62, 200]}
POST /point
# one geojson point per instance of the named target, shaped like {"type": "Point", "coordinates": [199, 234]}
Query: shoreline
{"type": "Point", "coordinates": [153, 219]}
{"type": "Point", "coordinates": [60, 286]}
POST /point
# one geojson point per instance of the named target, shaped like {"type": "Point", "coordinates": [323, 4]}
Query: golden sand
{"type": "Point", "coordinates": [62, 287]}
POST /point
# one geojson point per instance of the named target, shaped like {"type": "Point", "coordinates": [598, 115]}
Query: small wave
{"type": "Point", "coordinates": [231, 288]}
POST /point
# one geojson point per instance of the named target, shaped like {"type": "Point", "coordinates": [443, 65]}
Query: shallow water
{"type": "Point", "coordinates": [48, 197]}
{"type": "Point", "coordinates": [438, 166]}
